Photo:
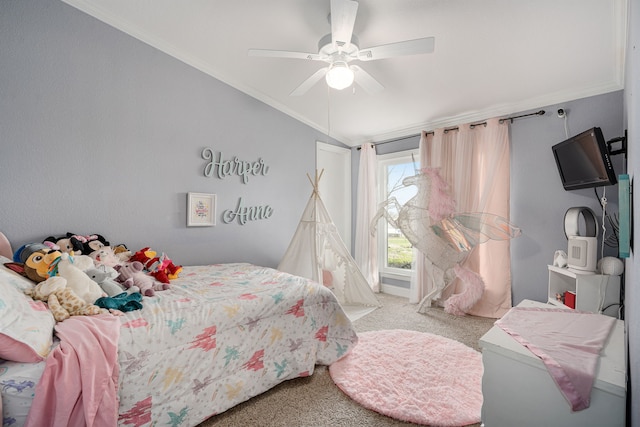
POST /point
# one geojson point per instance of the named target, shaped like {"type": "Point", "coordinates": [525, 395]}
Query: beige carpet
{"type": "Point", "coordinates": [317, 402]}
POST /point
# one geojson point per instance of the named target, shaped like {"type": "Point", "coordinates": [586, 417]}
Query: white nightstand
{"type": "Point", "coordinates": [594, 292]}
{"type": "Point", "coordinates": [518, 390]}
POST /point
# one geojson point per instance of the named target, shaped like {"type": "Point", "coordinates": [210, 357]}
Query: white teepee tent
{"type": "Point", "coordinates": [317, 252]}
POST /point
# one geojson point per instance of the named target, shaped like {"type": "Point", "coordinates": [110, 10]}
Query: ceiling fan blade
{"type": "Point", "coordinates": [267, 53]}
{"type": "Point", "coordinates": [307, 84]}
{"type": "Point", "coordinates": [408, 47]}
{"type": "Point", "coordinates": [343, 17]}
{"type": "Point", "coordinates": [366, 81]}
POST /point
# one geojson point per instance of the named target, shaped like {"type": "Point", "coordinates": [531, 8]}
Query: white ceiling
{"type": "Point", "coordinates": [492, 57]}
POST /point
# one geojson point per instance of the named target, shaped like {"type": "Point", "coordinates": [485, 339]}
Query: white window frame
{"type": "Point", "coordinates": [384, 160]}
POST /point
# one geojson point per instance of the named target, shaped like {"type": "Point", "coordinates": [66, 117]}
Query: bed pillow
{"type": "Point", "coordinates": [26, 326]}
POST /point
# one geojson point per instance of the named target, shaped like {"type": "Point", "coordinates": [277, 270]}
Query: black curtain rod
{"type": "Point", "coordinates": [510, 119]}
{"type": "Point", "coordinates": [472, 125]}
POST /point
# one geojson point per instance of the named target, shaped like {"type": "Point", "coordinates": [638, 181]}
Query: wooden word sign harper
{"type": "Point", "coordinates": [246, 213]}
{"type": "Point", "coordinates": [224, 168]}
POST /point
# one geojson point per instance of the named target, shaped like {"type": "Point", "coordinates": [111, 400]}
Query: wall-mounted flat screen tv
{"type": "Point", "coordinates": [583, 161]}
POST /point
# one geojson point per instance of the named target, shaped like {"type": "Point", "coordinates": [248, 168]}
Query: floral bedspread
{"type": "Point", "coordinates": [221, 335]}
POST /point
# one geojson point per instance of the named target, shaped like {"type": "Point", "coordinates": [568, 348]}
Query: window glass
{"type": "Point", "coordinates": [396, 253]}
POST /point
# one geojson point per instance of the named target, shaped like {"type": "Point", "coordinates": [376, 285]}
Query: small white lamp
{"type": "Point", "coordinates": [339, 76]}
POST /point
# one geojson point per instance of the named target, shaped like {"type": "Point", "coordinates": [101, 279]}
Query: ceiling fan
{"type": "Point", "coordinates": [341, 47]}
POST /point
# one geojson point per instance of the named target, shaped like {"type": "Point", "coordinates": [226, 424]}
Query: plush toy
{"type": "Point", "coordinates": [121, 303]}
{"type": "Point", "coordinates": [83, 262]}
{"type": "Point", "coordinates": [105, 277]}
{"type": "Point", "coordinates": [173, 270]}
{"type": "Point", "coordinates": [161, 267]}
{"type": "Point", "coordinates": [105, 256]}
{"type": "Point", "coordinates": [67, 243]}
{"type": "Point", "coordinates": [122, 252]}
{"type": "Point", "coordinates": [77, 280]}
{"type": "Point", "coordinates": [24, 251]}
{"type": "Point", "coordinates": [36, 259]}
{"type": "Point", "coordinates": [62, 301]}
{"type": "Point", "coordinates": [143, 256]}
{"type": "Point", "coordinates": [92, 242]}
{"type": "Point", "coordinates": [132, 274]}
{"type": "Point", "coordinates": [150, 262]}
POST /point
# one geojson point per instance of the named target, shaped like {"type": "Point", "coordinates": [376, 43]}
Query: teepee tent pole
{"type": "Point", "coordinates": [316, 184]}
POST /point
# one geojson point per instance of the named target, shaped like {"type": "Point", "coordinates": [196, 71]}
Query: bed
{"type": "Point", "coordinates": [218, 336]}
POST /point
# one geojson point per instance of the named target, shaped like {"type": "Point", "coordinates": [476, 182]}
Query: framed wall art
{"type": "Point", "coordinates": [201, 210]}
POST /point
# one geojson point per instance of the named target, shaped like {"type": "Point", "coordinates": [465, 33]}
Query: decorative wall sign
{"type": "Point", "coordinates": [246, 213]}
{"type": "Point", "coordinates": [201, 210]}
{"type": "Point", "coordinates": [220, 168]}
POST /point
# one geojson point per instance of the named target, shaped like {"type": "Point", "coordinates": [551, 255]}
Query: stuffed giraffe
{"type": "Point", "coordinates": [62, 301]}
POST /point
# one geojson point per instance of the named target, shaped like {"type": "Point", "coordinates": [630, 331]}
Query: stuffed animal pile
{"type": "Point", "coordinates": [84, 275]}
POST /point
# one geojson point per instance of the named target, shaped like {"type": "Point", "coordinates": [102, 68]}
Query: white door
{"type": "Point", "coordinates": [335, 186]}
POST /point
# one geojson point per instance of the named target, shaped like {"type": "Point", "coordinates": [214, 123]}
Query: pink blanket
{"type": "Point", "coordinates": [79, 384]}
{"type": "Point", "coordinates": [567, 341]}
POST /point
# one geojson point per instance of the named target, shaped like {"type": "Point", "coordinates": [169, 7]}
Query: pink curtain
{"type": "Point", "coordinates": [366, 248]}
{"type": "Point", "coordinates": [475, 163]}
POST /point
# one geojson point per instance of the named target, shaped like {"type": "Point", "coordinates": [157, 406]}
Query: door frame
{"type": "Point", "coordinates": [340, 195]}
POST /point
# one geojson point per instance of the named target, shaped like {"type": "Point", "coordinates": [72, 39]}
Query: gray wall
{"type": "Point", "coordinates": [538, 201]}
{"type": "Point", "coordinates": [101, 133]}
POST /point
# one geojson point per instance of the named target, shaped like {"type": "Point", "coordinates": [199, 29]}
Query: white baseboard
{"type": "Point", "coordinates": [395, 290]}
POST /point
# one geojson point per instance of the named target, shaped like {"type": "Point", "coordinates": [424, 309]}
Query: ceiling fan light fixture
{"type": "Point", "coordinates": [339, 76]}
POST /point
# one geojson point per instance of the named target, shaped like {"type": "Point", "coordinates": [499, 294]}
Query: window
{"type": "Point", "coordinates": [396, 253]}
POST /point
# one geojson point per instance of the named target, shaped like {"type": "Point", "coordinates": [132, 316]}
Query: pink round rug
{"type": "Point", "coordinates": [413, 376]}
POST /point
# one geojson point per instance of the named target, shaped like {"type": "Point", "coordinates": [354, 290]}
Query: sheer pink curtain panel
{"type": "Point", "coordinates": [474, 161]}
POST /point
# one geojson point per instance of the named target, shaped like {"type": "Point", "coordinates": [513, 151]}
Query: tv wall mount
{"type": "Point", "coordinates": [623, 145]}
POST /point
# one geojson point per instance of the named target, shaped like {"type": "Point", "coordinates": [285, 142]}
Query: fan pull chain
{"type": "Point", "coordinates": [328, 112]}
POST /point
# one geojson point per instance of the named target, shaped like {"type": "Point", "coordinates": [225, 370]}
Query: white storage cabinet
{"type": "Point", "coordinates": [518, 391]}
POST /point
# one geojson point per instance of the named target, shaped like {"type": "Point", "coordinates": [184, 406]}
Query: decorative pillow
{"type": "Point", "coordinates": [26, 326]}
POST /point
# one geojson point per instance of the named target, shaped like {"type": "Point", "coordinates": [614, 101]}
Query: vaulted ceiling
{"type": "Point", "coordinates": [491, 57]}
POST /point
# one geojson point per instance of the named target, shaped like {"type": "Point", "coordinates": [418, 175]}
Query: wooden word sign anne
{"type": "Point", "coordinates": [246, 213]}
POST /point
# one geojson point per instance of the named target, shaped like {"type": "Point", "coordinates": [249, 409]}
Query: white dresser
{"type": "Point", "coordinates": [518, 391]}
